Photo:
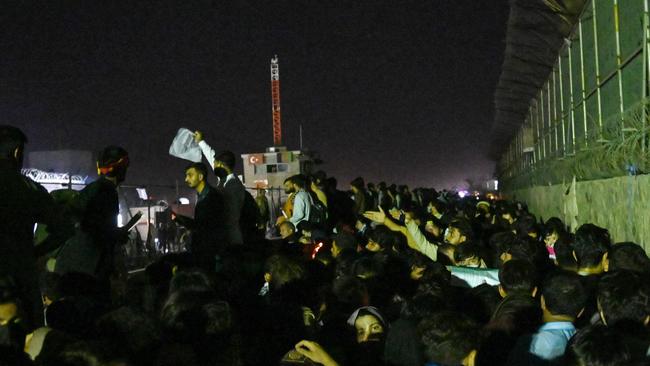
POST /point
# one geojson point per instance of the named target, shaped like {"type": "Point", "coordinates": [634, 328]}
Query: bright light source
{"type": "Point", "coordinates": [184, 201]}
{"type": "Point", "coordinates": [142, 193]}
{"type": "Point", "coordinates": [462, 194]}
{"type": "Point", "coordinates": [119, 220]}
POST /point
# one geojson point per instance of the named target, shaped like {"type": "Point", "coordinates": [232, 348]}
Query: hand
{"type": "Point", "coordinates": [198, 136]}
{"type": "Point", "coordinates": [315, 352]}
{"type": "Point", "coordinates": [173, 214]}
{"type": "Point", "coordinates": [376, 216]}
{"type": "Point", "coordinates": [395, 213]}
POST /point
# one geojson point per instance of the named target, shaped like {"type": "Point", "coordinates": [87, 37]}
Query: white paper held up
{"type": "Point", "coordinates": [183, 146]}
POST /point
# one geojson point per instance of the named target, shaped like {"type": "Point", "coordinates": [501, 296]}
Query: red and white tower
{"type": "Point", "coordinates": [275, 99]}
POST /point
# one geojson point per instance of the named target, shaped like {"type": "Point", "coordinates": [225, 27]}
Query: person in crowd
{"type": "Point", "coordinates": [96, 249]}
{"type": "Point", "coordinates": [368, 323]}
{"type": "Point", "coordinates": [591, 250]}
{"type": "Point", "coordinates": [598, 345]}
{"type": "Point", "coordinates": [208, 227]}
{"type": "Point", "coordinates": [622, 299]}
{"type": "Point", "coordinates": [468, 254]}
{"type": "Point", "coordinates": [24, 203]}
{"type": "Point", "coordinates": [287, 230]}
{"type": "Point", "coordinates": [360, 196]}
{"type": "Point", "coordinates": [517, 315]}
{"type": "Point", "coordinates": [302, 201]}
{"type": "Point", "coordinates": [449, 338]}
{"type": "Point", "coordinates": [562, 302]}
{"type": "Point", "coordinates": [264, 211]}
{"type": "Point", "coordinates": [380, 239]}
{"type": "Point", "coordinates": [343, 242]}
{"type": "Point", "coordinates": [553, 230]}
{"type": "Point", "coordinates": [12, 326]}
{"type": "Point", "coordinates": [230, 187]}
{"type": "Point", "coordinates": [317, 184]}
{"type": "Point", "coordinates": [629, 256]}
{"type": "Point", "coordinates": [517, 276]}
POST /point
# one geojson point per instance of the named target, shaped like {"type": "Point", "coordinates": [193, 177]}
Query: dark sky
{"type": "Point", "coordinates": [400, 91]}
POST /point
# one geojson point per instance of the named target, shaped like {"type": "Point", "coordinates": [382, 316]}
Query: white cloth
{"type": "Point", "coordinates": [475, 276]}
{"type": "Point", "coordinates": [183, 146]}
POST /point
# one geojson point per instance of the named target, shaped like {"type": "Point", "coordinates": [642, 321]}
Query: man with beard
{"type": "Point", "coordinates": [207, 226]}
{"type": "Point", "coordinates": [301, 202]}
{"type": "Point", "coordinates": [230, 187]}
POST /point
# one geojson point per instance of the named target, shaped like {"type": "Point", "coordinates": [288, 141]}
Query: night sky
{"type": "Point", "coordinates": [400, 91]}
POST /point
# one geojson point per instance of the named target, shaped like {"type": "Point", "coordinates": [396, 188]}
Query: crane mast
{"type": "Point", "coordinates": [275, 99]}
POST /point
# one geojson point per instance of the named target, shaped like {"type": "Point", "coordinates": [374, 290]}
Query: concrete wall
{"type": "Point", "coordinates": [622, 205]}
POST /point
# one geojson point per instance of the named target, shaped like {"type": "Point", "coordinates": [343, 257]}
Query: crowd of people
{"type": "Point", "coordinates": [370, 274]}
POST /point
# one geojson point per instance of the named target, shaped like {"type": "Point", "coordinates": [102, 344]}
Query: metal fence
{"type": "Point", "coordinates": [593, 102]}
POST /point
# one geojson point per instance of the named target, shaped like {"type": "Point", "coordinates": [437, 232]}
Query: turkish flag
{"type": "Point", "coordinates": [256, 159]}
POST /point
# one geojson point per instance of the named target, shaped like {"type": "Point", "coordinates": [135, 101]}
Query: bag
{"type": "Point", "coordinates": [183, 146]}
{"type": "Point", "coordinates": [317, 212]}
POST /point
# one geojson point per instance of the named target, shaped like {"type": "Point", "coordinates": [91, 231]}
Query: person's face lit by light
{"type": "Point", "coordinates": [453, 236]}
{"type": "Point", "coordinates": [368, 328]}
{"type": "Point", "coordinates": [550, 239]}
{"type": "Point", "coordinates": [193, 177]}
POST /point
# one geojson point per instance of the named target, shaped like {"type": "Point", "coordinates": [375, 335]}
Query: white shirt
{"type": "Point", "coordinates": [301, 207]}
{"type": "Point", "coordinates": [209, 154]}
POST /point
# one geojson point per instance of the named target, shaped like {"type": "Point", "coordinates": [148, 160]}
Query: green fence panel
{"type": "Point", "coordinates": [588, 49]}
{"type": "Point", "coordinates": [630, 15]}
{"type": "Point", "coordinates": [606, 37]}
{"type": "Point", "coordinates": [633, 82]}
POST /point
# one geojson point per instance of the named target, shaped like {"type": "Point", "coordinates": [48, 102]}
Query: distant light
{"type": "Point", "coordinates": [462, 194]}
{"type": "Point", "coordinates": [184, 201]}
{"type": "Point", "coordinates": [142, 193]}
{"type": "Point", "coordinates": [496, 185]}
{"type": "Point", "coordinates": [119, 220]}
{"type": "Point", "coordinates": [42, 177]}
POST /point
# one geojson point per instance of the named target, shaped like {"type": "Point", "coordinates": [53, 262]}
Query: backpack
{"type": "Point", "coordinates": [317, 212]}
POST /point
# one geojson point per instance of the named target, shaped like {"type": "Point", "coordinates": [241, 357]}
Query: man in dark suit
{"type": "Point", "coordinates": [208, 225]}
{"type": "Point", "coordinates": [229, 185]}
{"type": "Point", "coordinates": [24, 203]}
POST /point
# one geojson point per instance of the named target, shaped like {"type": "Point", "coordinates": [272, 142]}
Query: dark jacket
{"type": "Point", "coordinates": [233, 194]}
{"type": "Point", "coordinates": [208, 225]}
{"type": "Point", "coordinates": [23, 203]}
{"type": "Point", "coordinates": [99, 204]}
